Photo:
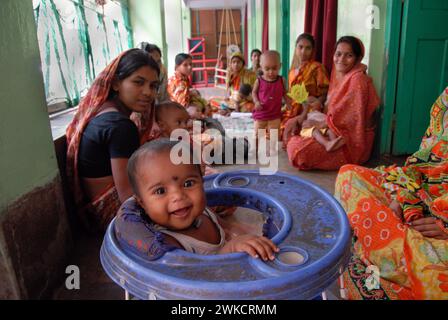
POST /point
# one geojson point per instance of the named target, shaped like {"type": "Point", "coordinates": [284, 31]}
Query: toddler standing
{"type": "Point", "coordinates": [268, 94]}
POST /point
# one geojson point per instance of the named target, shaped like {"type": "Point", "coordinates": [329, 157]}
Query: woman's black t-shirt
{"type": "Point", "coordinates": [107, 136]}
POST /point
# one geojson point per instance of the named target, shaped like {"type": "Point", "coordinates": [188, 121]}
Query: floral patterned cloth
{"type": "Point", "coordinates": [410, 265]}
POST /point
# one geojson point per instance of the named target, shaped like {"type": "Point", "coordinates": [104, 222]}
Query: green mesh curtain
{"type": "Point", "coordinates": [77, 39]}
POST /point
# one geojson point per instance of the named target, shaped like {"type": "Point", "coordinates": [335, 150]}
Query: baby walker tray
{"type": "Point", "coordinates": [307, 223]}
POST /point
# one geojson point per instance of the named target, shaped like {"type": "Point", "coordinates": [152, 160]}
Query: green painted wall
{"type": "Point", "coordinates": [258, 23]}
{"type": "Point", "coordinates": [254, 21]}
{"type": "Point", "coordinates": [166, 23]}
{"type": "Point", "coordinates": [148, 22]}
{"type": "Point", "coordinates": [296, 22]}
{"type": "Point", "coordinates": [26, 147]}
{"type": "Point", "coordinates": [352, 18]}
{"type": "Point", "coordinates": [275, 25]}
{"type": "Point", "coordinates": [377, 52]}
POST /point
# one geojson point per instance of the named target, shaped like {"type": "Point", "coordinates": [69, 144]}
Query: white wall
{"type": "Point", "coordinates": [178, 29]}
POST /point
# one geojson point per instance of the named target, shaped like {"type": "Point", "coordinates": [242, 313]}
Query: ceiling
{"type": "Point", "coordinates": [215, 4]}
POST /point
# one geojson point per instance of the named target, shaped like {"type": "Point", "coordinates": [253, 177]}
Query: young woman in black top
{"type": "Point", "coordinates": [101, 137]}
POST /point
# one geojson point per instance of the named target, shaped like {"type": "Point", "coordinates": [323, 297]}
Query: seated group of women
{"type": "Point", "coordinates": [117, 116]}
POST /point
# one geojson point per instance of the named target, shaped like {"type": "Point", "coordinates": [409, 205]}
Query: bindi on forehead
{"type": "Point", "coordinates": [175, 178]}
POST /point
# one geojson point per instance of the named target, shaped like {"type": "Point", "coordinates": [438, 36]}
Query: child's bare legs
{"type": "Point", "coordinates": [268, 126]}
{"type": "Point", "coordinates": [258, 126]}
{"type": "Point", "coordinates": [330, 143]}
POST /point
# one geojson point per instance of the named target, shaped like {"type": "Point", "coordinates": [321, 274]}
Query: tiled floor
{"type": "Point", "coordinates": [95, 284]}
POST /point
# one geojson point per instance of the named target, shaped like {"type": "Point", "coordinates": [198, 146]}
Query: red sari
{"type": "Point", "coordinates": [352, 102]}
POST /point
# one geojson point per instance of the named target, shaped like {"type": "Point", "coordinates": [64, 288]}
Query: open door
{"type": "Point", "coordinates": [423, 70]}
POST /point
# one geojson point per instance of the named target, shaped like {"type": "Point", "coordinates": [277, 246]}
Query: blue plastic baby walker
{"type": "Point", "coordinates": [307, 223]}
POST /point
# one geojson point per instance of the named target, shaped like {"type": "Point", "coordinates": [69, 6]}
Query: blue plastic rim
{"type": "Point", "coordinates": [238, 182]}
{"type": "Point", "coordinates": [310, 227]}
{"type": "Point", "coordinates": [291, 257]}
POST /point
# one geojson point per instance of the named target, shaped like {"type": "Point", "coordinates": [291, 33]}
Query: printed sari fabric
{"type": "Point", "coordinates": [234, 83]}
{"type": "Point", "coordinates": [245, 76]}
{"type": "Point", "coordinates": [104, 207]}
{"type": "Point", "coordinates": [409, 265]}
{"type": "Point", "coordinates": [352, 102]}
{"type": "Point", "coordinates": [314, 76]}
{"type": "Point", "coordinates": [180, 90]}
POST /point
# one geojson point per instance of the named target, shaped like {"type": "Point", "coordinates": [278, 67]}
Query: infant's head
{"type": "Point", "coordinates": [270, 65]}
{"type": "Point", "coordinates": [245, 90]}
{"type": "Point", "coordinates": [171, 116]}
{"type": "Point", "coordinates": [172, 195]}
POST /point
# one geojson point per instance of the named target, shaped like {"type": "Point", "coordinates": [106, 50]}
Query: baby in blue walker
{"type": "Point", "coordinates": [171, 201]}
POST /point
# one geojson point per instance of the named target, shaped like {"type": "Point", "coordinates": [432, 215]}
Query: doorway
{"type": "Point", "coordinates": [417, 72]}
{"type": "Point", "coordinates": [207, 24]}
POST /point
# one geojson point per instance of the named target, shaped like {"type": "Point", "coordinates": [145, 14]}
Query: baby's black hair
{"type": "Point", "coordinates": [245, 89]}
{"type": "Point", "coordinates": [167, 105]}
{"type": "Point", "coordinates": [153, 147]}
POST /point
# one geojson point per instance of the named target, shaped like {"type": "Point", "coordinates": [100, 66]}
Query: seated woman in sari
{"type": "Point", "coordinates": [399, 217]}
{"type": "Point", "coordinates": [237, 76]}
{"type": "Point", "coordinates": [304, 70]}
{"type": "Point", "coordinates": [101, 137]}
{"type": "Point", "coordinates": [351, 103]}
{"type": "Point", "coordinates": [180, 89]}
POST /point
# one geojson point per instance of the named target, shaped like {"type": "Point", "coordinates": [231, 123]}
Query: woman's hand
{"type": "Point", "coordinates": [428, 227]}
{"type": "Point", "coordinates": [255, 246]}
{"type": "Point", "coordinates": [291, 128]}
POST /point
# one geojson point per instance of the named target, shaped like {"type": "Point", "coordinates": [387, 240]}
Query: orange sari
{"type": "Point", "coordinates": [352, 102]}
{"type": "Point", "coordinates": [410, 265]}
{"type": "Point", "coordinates": [315, 78]}
{"type": "Point", "coordinates": [97, 213]}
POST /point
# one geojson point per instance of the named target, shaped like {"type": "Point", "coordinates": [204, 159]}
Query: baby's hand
{"type": "Point", "coordinates": [255, 246]}
{"type": "Point", "coordinates": [258, 106]}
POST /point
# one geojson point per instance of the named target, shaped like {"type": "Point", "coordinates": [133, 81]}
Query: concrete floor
{"type": "Point", "coordinates": [95, 284]}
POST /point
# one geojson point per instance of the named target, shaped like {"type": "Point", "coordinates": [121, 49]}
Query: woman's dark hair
{"type": "Point", "coordinates": [133, 60]}
{"type": "Point", "coordinates": [149, 47]}
{"type": "Point", "coordinates": [255, 51]}
{"type": "Point", "coordinates": [355, 43]}
{"type": "Point", "coordinates": [181, 57]}
{"type": "Point", "coordinates": [306, 36]}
